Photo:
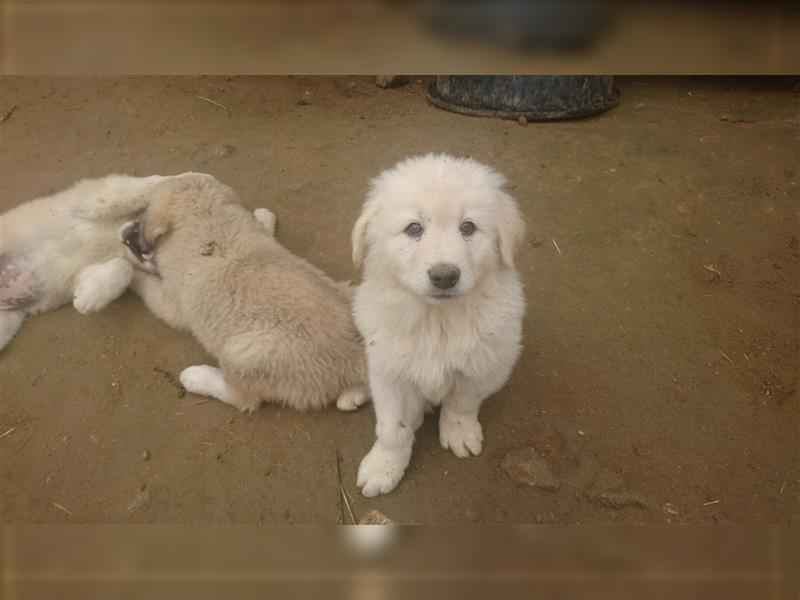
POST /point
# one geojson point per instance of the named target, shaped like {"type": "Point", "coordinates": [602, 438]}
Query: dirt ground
{"type": "Point", "coordinates": [659, 374]}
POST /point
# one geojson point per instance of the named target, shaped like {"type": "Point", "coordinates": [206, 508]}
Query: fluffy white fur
{"type": "Point", "coordinates": [65, 247]}
{"type": "Point", "coordinates": [280, 328]}
{"type": "Point", "coordinates": [427, 346]}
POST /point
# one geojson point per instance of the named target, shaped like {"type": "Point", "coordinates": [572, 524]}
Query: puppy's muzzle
{"type": "Point", "coordinates": [444, 276]}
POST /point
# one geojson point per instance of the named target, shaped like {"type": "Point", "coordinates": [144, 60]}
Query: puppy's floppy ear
{"type": "Point", "coordinates": [510, 228]}
{"type": "Point", "coordinates": [156, 221]}
{"type": "Point", "coordinates": [359, 235]}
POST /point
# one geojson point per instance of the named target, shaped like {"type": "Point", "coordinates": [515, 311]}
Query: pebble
{"type": "Point", "coordinates": [140, 500]}
{"type": "Point", "coordinates": [390, 81]}
{"type": "Point", "coordinates": [522, 121]}
{"type": "Point", "coordinates": [223, 150]}
{"type": "Point", "coordinates": [609, 491]}
{"type": "Point", "coordinates": [617, 500]}
{"type": "Point", "coordinates": [670, 509]}
{"type": "Point", "coordinates": [145, 455]}
{"type": "Point", "coordinates": [375, 517]}
{"type": "Point", "coordinates": [524, 465]}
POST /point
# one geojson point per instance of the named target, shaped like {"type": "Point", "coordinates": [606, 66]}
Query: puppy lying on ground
{"type": "Point", "coordinates": [280, 328]}
{"type": "Point", "coordinates": [440, 306]}
{"type": "Point", "coordinates": [66, 247]}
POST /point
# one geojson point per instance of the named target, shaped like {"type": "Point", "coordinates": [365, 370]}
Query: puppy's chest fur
{"type": "Point", "coordinates": [433, 346]}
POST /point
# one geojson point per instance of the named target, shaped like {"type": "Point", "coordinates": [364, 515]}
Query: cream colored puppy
{"type": "Point", "coordinates": [65, 247]}
{"type": "Point", "coordinates": [440, 306]}
{"type": "Point", "coordinates": [281, 330]}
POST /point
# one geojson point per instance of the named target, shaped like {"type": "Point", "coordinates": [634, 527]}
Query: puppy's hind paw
{"type": "Point", "coordinates": [202, 380]}
{"type": "Point", "coordinates": [351, 398]}
{"type": "Point", "coordinates": [205, 380]}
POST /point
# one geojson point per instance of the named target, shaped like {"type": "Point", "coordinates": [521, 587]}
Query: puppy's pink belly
{"type": "Point", "coordinates": [17, 287]}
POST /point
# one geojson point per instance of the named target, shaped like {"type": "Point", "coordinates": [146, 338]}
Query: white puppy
{"type": "Point", "coordinates": [66, 247]}
{"type": "Point", "coordinates": [280, 328]}
{"type": "Point", "coordinates": [440, 306]}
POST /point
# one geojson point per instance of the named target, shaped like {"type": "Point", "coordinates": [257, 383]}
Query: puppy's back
{"type": "Point", "coordinates": [278, 325]}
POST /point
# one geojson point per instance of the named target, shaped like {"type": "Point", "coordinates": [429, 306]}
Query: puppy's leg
{"type": "Point", "coordinates": [459, 429]}
{"type": "Point", "coordinates": [10, 322]}
{"type": "Point", "coordinates": [115, 197]}
{"type": "Point", "coordinates": [353, 397]}
{"type": "Point", "coordinates": [399, 412]}
{"type": "Point", "coordinates": [100, 284]}
{"type": "Point", "coordinates": [150, 289]}
{"type": "Point", "coordinates": [267, 218]}
{"type": "Point", "coordinates": [205, 380]}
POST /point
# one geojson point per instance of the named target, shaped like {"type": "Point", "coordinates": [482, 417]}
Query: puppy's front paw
{"type": "Point", "coordinates": [462, 435]}
{"type": "Point", "coordinates": [99, 285]}
{"type": "Point", "coordinates": [380, 471]}
{"type": "Point", "coordinates": [267, 218]}
{"type": "Point", "coordinates": [88, 300]}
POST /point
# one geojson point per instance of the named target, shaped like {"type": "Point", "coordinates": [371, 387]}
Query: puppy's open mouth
{"type": "Point", "coordinates": [130, 237]}
{"type": "Point", "coordinates": [443, 296]}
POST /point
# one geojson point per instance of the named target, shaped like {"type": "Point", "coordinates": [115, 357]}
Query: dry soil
{"type": "Point", "coordinates": [659, 376]}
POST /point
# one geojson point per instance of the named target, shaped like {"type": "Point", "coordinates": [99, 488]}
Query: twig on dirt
{"type": "Point", "coordinates": [28, 420]}
{"type": "Point", "coordinates": [196, 402]}
{"type": "Point", "coordinates": [735, 119]}
{"type": "Point", "coordinates": [713, 270]}
{"type": "Point", "coordinates": [59, 507]}
{"type": "Point", "coordinates": [39, 376]}
{"type": "Point", "coordinates": [344, 499]}
{"type": "Point", "coordinates": [557, 248]}
{"type": "Point", "coordinates": [726, 356]}
{"type": "Point", "coordinates": [23, 444]}
{"type": "Point", "coordinates": [358, 91]}
{"type": "Point", "coordinates": [710, 502]}
{"type": "Point", "coordinates": [783, 487]}
{"type": "Point", "coordinates": [217, 104]}
{"type": "Point", "coordinates": [7, 432]}
{"type": "Point", "coordinates": [8, 113]}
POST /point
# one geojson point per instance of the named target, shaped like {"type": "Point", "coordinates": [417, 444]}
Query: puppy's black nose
{"type": "Point", "coordinates": [444, 276]}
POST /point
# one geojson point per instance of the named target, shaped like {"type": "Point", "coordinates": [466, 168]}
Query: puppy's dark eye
{"type": "Point", "coordinates": [414, 229]}
{"type": "Point", "coordinates": [467, 228]}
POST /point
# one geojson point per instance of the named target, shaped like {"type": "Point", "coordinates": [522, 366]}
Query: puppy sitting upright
{"type": "Point", "coordinates": [440, 306]}
{"type": "Point", "coordinates": [280, 328]}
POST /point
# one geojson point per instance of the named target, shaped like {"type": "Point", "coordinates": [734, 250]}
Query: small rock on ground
{"type": "Point", "coordinates": [524, 465]}
{"type": "Point", "coordinates": [390, 81]}
{"type": "Point", "coordinates": [375, 517]}
{"type": "Point", "coordinates": [617, 500]}
{"type": "Point", "coordinates": [140, 501]}
{"type": "Point", "coordinates": [609, 490]}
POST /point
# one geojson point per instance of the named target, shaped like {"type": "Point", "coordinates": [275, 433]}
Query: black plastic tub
{"type": "Point", "coordinates": [535, 97]}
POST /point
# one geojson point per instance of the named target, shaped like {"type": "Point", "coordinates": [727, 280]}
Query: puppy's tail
{"type": "Point", "coordinates": [10, 322]}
